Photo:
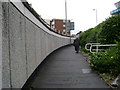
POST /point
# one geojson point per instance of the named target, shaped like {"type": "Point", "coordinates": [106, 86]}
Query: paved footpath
{"type": "Point", "coordinates": [66, 69]}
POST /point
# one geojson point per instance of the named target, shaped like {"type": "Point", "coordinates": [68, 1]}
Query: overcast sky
{"type": "Point", "coordinates": [79, 11]}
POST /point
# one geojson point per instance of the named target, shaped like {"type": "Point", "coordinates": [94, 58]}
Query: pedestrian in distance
{"type": "Point", "coordinates": [76, 44]}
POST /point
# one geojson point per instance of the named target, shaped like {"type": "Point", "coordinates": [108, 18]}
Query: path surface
{"type": "Point", "coordinates": [66, 69]}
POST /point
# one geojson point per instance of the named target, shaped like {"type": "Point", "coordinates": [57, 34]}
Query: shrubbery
{"type": "Point", "coordinates": [106, 62]}
{"type": "Point", "coordinates": [110, 30]}
{"type": "Point", "coordinates": [90, 36]}
{"type": "Point", "coordinates": [107, 32]}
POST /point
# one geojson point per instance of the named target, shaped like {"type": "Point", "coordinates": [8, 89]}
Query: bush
{"type": "Point", "coordinates": [91, 35]}
{"type": "Point", "coordinates": [107, 32]}
{"type": "Point", "coordinates": [106, 62]}
{"type": "Point", "coordinates": [84, 50]}
{"type": "Point", "coordinates": [110, 30]}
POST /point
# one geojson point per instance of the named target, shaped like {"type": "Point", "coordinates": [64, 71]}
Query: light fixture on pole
{"type": "Point", "coordinates": [66, 21]}
{"type": "Point", "coordinates": [96, 15]}
{"type": "Point", "coordinates": [65, 10]}
{"type": "Point", "coordinates": [96, 25]}
{"type": "Point", "coordinates": [66, 16]}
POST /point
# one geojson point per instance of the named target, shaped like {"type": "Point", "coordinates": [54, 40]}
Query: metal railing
{"type": "Point", "coordinates": [89, 47]}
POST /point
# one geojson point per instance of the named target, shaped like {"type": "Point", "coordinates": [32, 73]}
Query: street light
{"type": "Point", "coordinates": [96, 25]}
{"type": "Point", "coordinates": [96, 14]}
{"type": "Point", "coordinates": [65, 15]}
{"type": "Point", "coordinates": [66, 20]}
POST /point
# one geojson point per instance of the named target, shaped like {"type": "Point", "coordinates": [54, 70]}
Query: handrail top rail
{"type": "Point", "coordinates": [97, 45]}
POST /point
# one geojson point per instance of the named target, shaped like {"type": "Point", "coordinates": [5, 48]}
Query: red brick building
{"type": "Point", "coordinates": [58, 25]}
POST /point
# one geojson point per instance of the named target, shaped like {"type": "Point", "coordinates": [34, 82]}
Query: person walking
{"type": "Point", "coordinates": [76, 44]}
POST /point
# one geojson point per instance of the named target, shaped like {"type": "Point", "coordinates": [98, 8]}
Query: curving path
{"type": "Point", "coordinates": [66, 69]}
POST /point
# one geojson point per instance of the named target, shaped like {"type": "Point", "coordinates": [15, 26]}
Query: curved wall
{"type": "Point", "coordinates": [25, 43]}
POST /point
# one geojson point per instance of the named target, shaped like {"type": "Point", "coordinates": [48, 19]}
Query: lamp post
{"type": "Point", "coordinates": [65, 15]}
{"type": "Point", "coordinates": [96, 25]}
{"type": "Point", "coordinates": [96, 14]}
{"type": "Point", "coordinates": [66, 11]}
{"type": "Point", "coordinates": [66, 21]}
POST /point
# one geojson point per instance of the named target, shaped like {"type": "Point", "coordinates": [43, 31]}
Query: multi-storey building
{"type": "Point", "coordinates": [59, 25]}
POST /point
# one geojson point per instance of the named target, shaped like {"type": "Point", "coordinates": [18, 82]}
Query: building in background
{"type": "Point", "coordinates": [116, 11]}
{"type": "Point", "coordinates": [61, 26]}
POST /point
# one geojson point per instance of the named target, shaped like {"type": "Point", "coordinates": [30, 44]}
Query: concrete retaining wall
{"type": "Point", "coordinates": [0, 45]}
{"type": "Point", "coordinates": [24, 44]}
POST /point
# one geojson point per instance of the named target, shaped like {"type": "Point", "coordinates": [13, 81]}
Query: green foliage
{"type": "Point", "coordinates": [84, 50]}
{"type": "Point", "coordinates": [84, 37]}
{"type": "Point", "coordinates": [107, 32]}
{"type": "Point", "coordinates": [110, 30]}
{"type": "Point", "coordinates": [118, 50]}
{"type": "Point", "coordinates": [90, 36]}
{"type": "Point", "coordinates": [106, 62]}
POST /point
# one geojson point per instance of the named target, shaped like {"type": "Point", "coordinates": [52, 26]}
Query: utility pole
{"type": "Point", "coordinates": [66, 15]}
{"type": "Point", "coordinates": [66, 21]}
{"type": "Point", "coordinates": [96, 15]}
{"type": "Point", "coordinates": [96, 25]}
